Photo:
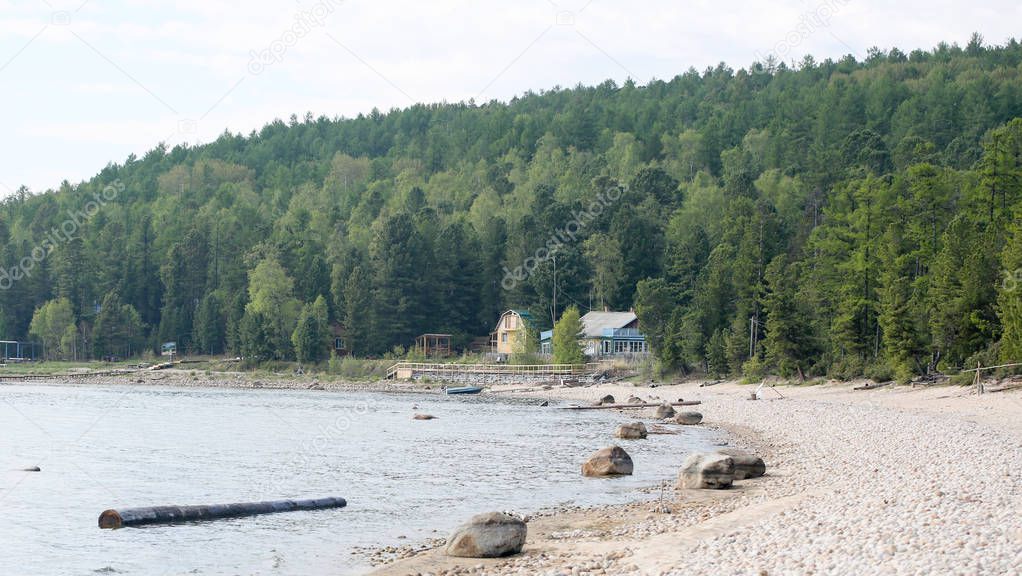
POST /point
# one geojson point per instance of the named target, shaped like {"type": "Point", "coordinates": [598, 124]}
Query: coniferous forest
{"type": "Point", "coordinates": [840, 218]}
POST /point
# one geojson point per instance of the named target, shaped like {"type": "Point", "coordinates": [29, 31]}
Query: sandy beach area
{"type": "Point", "coordinates": [897, 480]}
{"type": "Point", "coordinates": [894, 480]}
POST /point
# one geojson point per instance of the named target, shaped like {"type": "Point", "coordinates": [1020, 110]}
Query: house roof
{"type": "Point", "coordinates": [523, 314]}
{"type": "Point", "coordinates": [594, 323]}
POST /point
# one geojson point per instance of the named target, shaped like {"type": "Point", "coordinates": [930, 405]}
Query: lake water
{"type": "Point", "coordinates": [105, 447]}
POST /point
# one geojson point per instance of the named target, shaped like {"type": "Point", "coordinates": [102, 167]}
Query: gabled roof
{"type": "Point", "coordinates": [594, 323]}
{"type": "Point", "coordinates": [523, 314]}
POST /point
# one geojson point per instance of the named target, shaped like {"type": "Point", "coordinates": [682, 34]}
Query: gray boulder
{"type": "Point", "coordinates": [664, 411]}
{"type": "Point", "coordinates": [635, 400]}
{"type": "Point", "coordinates": [633, 431]}
{"type": "Point", "coordinates": [608, 399]}
{"type": "Point", "coordinates": [610, 461]}
{"type": "Point", "coordinates": [688, 418]}
{"type": "Point", "coordinates": [747, 465]}
{"type": "Point", "coordinates": [702, 470]}
{"type": "Point", "coordinates": [491, 535]}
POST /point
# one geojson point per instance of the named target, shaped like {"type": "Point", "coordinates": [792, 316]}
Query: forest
{"type": "Point", "coordinates": [838, 218]}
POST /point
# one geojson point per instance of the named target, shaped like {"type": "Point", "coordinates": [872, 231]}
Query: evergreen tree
{"type": "Point", "coordinates": [311, 337]}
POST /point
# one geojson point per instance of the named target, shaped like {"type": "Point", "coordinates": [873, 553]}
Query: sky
{"type": "Point", "coordinates": [84, 83]}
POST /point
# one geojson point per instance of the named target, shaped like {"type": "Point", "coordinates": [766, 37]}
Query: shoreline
{"type": "Point", "coordinates": [890, 480]}
{"type": "Point", "coordinates": [895, 479]}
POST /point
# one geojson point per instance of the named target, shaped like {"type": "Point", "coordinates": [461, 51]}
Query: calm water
{"type": "Point", "coordinates": [118, 446]}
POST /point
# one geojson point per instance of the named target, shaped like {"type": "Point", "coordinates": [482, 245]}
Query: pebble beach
{"type": "Point", "coordinates": [889, 481]}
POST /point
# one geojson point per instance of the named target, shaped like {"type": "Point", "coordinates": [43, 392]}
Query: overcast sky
{"type": "Point", "coordinates": [86, 83]}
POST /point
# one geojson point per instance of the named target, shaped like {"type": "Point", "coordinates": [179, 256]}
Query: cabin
{"type": "Point", "coordinates": [433, 345]}
{"type": "Point", "coordinates": [606, 335]}
{"type": "Point", "coordinates": [510, 328]}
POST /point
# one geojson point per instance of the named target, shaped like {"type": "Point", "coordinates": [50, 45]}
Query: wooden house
{"type": "Point", "coordinates": [511, 327]}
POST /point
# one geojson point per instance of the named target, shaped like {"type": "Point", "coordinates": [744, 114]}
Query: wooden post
{"type": "Point", "coordinates": [978, 381]}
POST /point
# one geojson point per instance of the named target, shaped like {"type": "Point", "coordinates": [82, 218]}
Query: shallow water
{"type": "Point", "coordinates": [123, 446]}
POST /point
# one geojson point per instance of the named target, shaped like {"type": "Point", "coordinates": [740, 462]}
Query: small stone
{"type": "Point", "coordinates": [610, 461]}
{"type": "Point", "coordinates": [664, 411]}
{"type": "Point", "coordinates": [491, 535]}
{"type": "Point", "coordinates": [702, 470]}
{"type": "Point", "coordinates": [633, 431]}
{"type": "Point", "coordinates": [424, 417]}
{"type": "Point", "coordinates": [688, 418]}
{"type": "Point", "coordinates": [747, 465]}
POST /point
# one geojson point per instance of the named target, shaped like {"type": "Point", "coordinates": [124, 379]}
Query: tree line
{"type": "Point", "coordinates": [836, 217]}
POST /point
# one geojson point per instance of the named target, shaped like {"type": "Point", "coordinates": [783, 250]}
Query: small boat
{"type": "Point", "coordinates": [463, 390]}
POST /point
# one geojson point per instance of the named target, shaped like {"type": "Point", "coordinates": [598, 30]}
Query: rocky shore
{"type": "Point", "coordinates": [890, 481]}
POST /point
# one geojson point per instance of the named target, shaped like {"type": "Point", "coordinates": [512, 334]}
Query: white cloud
{"type": "Point", "coordinates": [185, 57]}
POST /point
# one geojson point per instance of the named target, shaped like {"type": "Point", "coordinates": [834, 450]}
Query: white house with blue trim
{"type": "Point", "coordinates": [605, 335]}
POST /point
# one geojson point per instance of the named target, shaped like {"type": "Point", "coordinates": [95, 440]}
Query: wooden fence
{"type": "Point", "coordinates": [407, 370]}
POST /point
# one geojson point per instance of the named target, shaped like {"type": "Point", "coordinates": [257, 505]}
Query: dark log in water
{"type": "Point", "coordinates": [171, 514]}
{"type": "Point", "coordinates": [619, 406]}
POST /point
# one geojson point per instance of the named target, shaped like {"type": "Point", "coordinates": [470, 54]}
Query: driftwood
{"type": "Point", "coordinates": [616, 406]}
{"type": "Point", "coordinates": [872, 386]}
{"type": "Point", "coordinates": [172, 514]}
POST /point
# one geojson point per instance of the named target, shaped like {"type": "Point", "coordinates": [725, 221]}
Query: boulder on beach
{"type": "Point", "coordinates": [702, 470]}
{"type": "Point", "coordinates": [32, 469]}
{"type": "Point", "coordinates": [424, 417]}
{"type": "Point", "coordinates": [635, 400]}
{"type": "Point", "coordinates": [608, 399]}
{"type": "Point", "coordinates": [633, 431]}
{"type": "Point", "coordinates": [663, 411]}
{"type": "Point", "coordinates": [491, 535]}
{"type": "Point", "coordinates": [688, 418]}
{"type": "Point", "coordinates": [610, 461]}
{"type": "Point", "coordinates": [747, 464]}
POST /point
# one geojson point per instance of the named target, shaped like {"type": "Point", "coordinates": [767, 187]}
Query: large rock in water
{"type": "Point", "coordinates": [633, 431]}
{"type": "Point", "coordinates": [491, 535]}
{"type": "Point", "coordinates": [688, 418]}
{"type": "Point", "coordinates": [611, 461]}
{"type": "Point", "coordinates": [702, 470]}
{"type": "Point", "coordinates": [664, 411]}
{"type": "Point", "coordinates": [747, 465]}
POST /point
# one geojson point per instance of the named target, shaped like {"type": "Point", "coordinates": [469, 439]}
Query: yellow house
{"type": "Point", "coordinates": [510, 328]}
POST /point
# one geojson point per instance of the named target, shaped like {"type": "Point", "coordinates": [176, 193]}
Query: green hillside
{"type": "Point", "coordinates": [839, 218]}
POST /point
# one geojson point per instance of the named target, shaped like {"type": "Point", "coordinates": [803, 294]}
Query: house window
{"type": "Point", "coordinates": [507, 321]}
{"type": "Point", "coordinates": [338, 344]}
{"type": "Point", "coordinates": [503, 337]}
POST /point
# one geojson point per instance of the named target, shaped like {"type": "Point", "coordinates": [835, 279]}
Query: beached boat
{"type": "Point", "coordinates": [463, 390]}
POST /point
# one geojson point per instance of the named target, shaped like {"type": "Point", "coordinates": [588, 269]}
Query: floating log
{"type": "Point", "coordinates": [172, 514]}
{"type": "Point", "coordinates": [616, 406]}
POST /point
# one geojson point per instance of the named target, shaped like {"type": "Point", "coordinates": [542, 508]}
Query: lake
{"type": "Point", "coordinates": [119, 446]}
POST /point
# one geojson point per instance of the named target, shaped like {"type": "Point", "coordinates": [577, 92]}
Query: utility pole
{"type": "Point", "coordinates": [554, 311]}
{"type": "Point", "coordinates": [752, 336]}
